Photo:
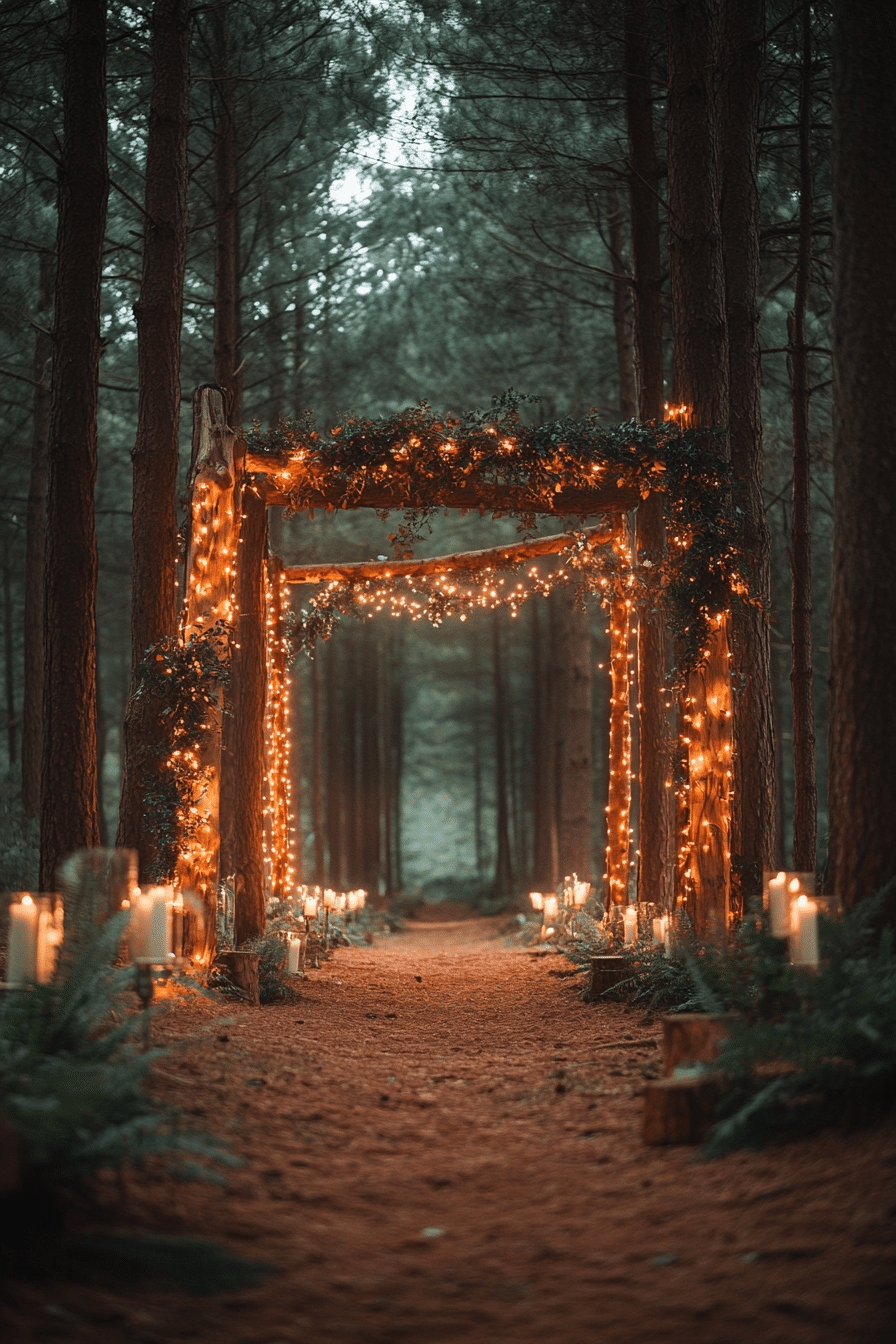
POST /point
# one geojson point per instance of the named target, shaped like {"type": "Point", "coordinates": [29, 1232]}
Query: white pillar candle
{"type": "Point", "coordinates": [581, 892]}
{"type": "Point", "coordinates": [329, 899]}
{"type": "Point", "coordinates": [149, 932]}
{"type": "Point", "coordinates": [778, 906]}
{"type": "Point", "coordinates": [537, 900]}
{"type": "Point", "coordinates": [630, 925]}
{"type": "Point", "coordinates": [292, 956]}
{"type": "Point", "coordinates": [551, 908]}
{"type": "Point", "coordinates": [658, 932]}
{"type": "Point", "coordinates": [49, 937]}
{"type": "Point", "coordinates": [805, 932]}
{"type": "Point", "coordinates": [24, 918]}
{"type": "Point", "coordinates": [309, 907]}
{"type": "Point", "coordinates": [667, 934]}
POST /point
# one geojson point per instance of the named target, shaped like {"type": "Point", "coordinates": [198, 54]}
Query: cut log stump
{"type": "Point", "coordinates": [680, 1110]}
{"type": "Point", "coordinates": [241, 969]}
{"type": "Point", "coordinates": [607, 972]}
{"type": "Point", "coordinates": [693, 1038]}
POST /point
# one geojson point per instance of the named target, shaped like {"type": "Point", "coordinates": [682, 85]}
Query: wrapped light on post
{"type": "Point", "coordinates": [630, 925]}
{"type": "Point", "coordinates": [780, 891]}
{"type": "Point", "coordinates": [804, 933]}
{"type": "Point", "coordinates": [34, 938]}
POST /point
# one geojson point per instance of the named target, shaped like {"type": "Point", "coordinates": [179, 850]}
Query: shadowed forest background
{"type": "Point", "coordinates": [413, 202]}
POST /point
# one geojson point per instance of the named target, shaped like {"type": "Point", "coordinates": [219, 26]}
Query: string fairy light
{"type": "Point", "coordinates": [278, 846]}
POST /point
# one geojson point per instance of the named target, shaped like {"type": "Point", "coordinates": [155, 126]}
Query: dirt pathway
{"type": "Point", "coordinates": [443, 1145]}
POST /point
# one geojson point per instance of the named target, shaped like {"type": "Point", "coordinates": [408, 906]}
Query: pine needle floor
{"type": "Point", "coordinates": [442, 1144]}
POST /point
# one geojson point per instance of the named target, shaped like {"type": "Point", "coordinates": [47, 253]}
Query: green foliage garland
{"type": "Point", "coordinates": [488, 452]}
{"type": "Point", "coordinates": [184, 680]}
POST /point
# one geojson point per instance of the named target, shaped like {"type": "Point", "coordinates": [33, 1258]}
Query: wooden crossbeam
{"type": "Point", "coordinates": [496, 557]}
{"type": "Point", "coordinates": [400, 490]}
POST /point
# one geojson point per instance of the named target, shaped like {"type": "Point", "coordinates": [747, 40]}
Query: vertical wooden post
{"type": "Point", "coordinates": [707, 717]}
{"type": "Point", "coordinates": [208, 598]}
{"type": "Point", "coordinates": [245, 761]}
{"type": "Point", "coordinates": [620, 786]}
{"type": "Point", "coordinates": [278, 845]}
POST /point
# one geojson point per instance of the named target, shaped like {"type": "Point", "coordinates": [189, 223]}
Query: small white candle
{"type": "Point", "coordinates": [630, 925]}
{"type": "Point", "coordinates": [329, 899]}
{"type": "Point", "coordinates": [537, 900]}
{"type": "Point", "coordinates": [581, 892]}
{"type": "Point", "coordinates": [309, 907]}
{"type": "Point", "coordinates": [805, 932]}
{"type": "Point", "coordinates": [658, 931]}
{"type": "Point", "coordinates": [292, 956]}
{"type": "Point", "coordinates": [778, 906]}
{"type": "Point", "coordinates": [551, 908]}
{"type": "Point", "coordinates": [24, 918]}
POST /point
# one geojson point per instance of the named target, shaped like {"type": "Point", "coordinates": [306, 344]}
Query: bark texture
{"type": "Point", "coordinates": [753, 804]}
{"type": "Point", "coordinates": [248, 679]}
{"type": "Point", "coordinates": [862, 781]}
{"type": "Point", "coordinates": [32, 697]}
{"type": "Point", "coordinates": [656, 824]}
{"type": "Point", "coordinates": [805, 803]}
{"type": "Point", "coordinates": [574, 760]}
{"type": "Point", "coordinates": [68, 811]}
{"type": "Point", "coordinates": [155, 457]}
{"type": "Point", "coordinates": [701, 368]}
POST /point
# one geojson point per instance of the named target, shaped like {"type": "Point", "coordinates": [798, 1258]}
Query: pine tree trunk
{"type": "Point", "coordinates": [335, 777]}
{"type": "Point", "coordinates": [397, 755]}
{"type": "Point", "coordinates": [622, 311]}
{"type": "Point", "coordinates": [248, 678]}
{"type": "Point", "coordinates": [656, 813]}
{"type": "Point", "coordinates": [9, 676]}
{"type": "Point", "coordinates": [544, 859]}
{"type": "Point", "coordinates": [805, 804]}
{"type": "Point", "coordinates": [68, 810]}
{"type": "Point", "coordinates": [701, 367]}
{"type": "Point", "coordinates": [862, 771]}
{"type": "Point", "coordinates": [753, 805]}
{"type": "Point", "coordinates": [574, 828]}
{"type": "Point", "coordinates": [228, 372]}
{"type": "Point", "coordinates": [503, 883]}
{"type": "Point", "coordinates": [155, 457]}
{"type": "Point", "coordinates": [35, 542]}
{"type": "Point", "coordinates": [317, 771]}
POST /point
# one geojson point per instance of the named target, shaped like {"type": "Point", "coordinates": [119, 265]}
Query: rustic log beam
{"type": "Point", "coordinates": [401, 489]}
{"type": "Point", "coordinates": [495, 557]}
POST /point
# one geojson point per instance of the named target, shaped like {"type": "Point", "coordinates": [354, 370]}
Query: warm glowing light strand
{"type": "Point", "coordinates": [279, 847]}
{"type": "Point", "coordinates": [619, 799]}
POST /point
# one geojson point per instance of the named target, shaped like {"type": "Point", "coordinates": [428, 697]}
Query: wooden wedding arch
{"type": "Point", "coordinates": [240, 810]}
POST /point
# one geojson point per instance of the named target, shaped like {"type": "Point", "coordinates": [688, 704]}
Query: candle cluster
{"type": "Point", "coordinates": [793, 914]}
{"type": "Point", "coordinates": [35, 934]}
{"type": "Point", "coordinates": [560, 908]}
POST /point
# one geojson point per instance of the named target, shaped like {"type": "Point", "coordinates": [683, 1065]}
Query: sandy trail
{"type": "Point", "coordinates": [442, 1144]}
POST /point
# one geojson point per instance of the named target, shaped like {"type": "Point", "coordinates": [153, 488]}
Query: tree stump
{"type": "Point", "coordinates": [680, 1110]}
{"type": "Point", "coordinates": [242, 970]}
{"type": "Point", "coordinates": [607, 972]}
{"type": "Point", "coordinates": [693, 1038]}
